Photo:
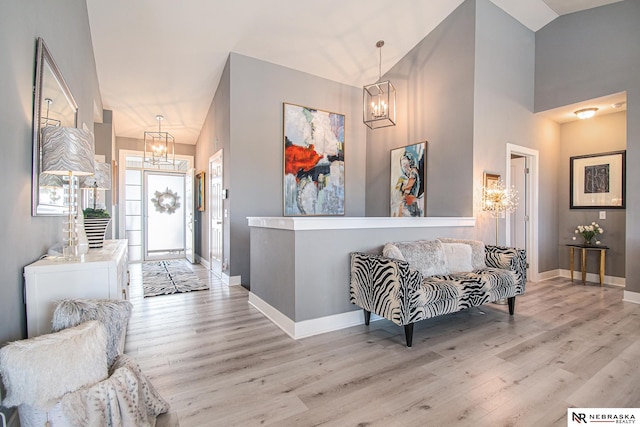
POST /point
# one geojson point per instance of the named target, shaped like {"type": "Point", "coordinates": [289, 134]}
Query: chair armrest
{"type": "Point", "coordinates": [383, 286]}
{"type": "Point", "coordinates": [513, 259]}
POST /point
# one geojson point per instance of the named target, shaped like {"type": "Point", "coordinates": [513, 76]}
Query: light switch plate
{"type": "Point", "coordinates": [603, 214]}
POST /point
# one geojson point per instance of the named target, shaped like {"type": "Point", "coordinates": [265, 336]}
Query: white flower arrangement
{"type": "Point", "coordinates": [588, 232]}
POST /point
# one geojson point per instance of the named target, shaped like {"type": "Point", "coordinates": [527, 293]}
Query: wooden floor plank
{"type": "Point", "coordinates": [220, 362]}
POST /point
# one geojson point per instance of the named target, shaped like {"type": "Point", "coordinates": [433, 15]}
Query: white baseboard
{"type": "Point", "coordinates": [633, 297]}
{"type": "Point", "coordinates": [231, 280]}
{"type": "Point", "coordinates": [203, 261]}
{"type": "Point", "coordinates": [592, 277]}
{"type": "Point", "coordinates": [546, 275]}
{"type": "Point", "coordinates": [307, 328]}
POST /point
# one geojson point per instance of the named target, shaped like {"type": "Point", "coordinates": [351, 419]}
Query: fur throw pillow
{"type": "Point", "coordinates": [38, 371]}
{"type": "Point", "coordinates": [458, 257]}
{"type": "Point", "coordinates": [477, 251]}
{"type": "Point", "coordinates": [113, 314]}
{"type": "Point", "coordinates": [391, 251]}
{"type": "Point", "coordinates": [426, 256]}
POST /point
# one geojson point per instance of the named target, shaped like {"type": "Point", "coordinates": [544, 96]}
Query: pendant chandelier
{"type": "Point", "coordinates": [159, 147]}
{"type": "Point", "coordinates": [379, 100]}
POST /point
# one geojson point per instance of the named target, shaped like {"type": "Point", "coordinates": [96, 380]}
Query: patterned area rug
{"type": "Point", "coordinates": [169, 277]}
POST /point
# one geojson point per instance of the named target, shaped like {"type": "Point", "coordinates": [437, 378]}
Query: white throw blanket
{"type": "Point", "coordinates": [126, 398]}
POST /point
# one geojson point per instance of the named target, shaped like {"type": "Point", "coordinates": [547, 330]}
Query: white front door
{"type": "Point", "coordinates": [189, 238]}
{"type": "Point", "coordinates": [216, 218]}
{"type": "Point", "coordinates": [164, 213]}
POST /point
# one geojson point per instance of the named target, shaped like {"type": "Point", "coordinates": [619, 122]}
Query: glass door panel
{"type": "Point", "coordinates": [165, 215]}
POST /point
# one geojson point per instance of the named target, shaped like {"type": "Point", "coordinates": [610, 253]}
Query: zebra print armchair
{"type": "Point", "coordinates": [394, 289]}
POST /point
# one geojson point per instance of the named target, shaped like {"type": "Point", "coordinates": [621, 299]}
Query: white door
{"type": "Point", "coordinates": [216, 219]}
{"type": "Point", "coordinates": [519, 217]}
{"type": "Point", "coordinates": [189, 240]}
{"type": "Point", "coordinates": [164, 215]}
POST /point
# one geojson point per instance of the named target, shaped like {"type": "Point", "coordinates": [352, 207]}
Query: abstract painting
{"type": "Point", "coordinates": [313, 161]}
{"type": "Point", "coordinates": [598, 181]}
{"type": "Point", "coordinates": [408, 180]}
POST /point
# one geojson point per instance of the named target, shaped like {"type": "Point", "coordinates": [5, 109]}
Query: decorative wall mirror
{"type": "Point", "coordinates": [53, 105]}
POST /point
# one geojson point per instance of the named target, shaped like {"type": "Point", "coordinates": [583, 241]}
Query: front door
{"type": "Point", "coordinates": [164, 214]}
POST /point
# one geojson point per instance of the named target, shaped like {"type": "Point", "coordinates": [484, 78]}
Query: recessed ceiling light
{"type": "Point", "coordinates": [586, 113]}
{"type": "Point", "coordinates": [618, 104]}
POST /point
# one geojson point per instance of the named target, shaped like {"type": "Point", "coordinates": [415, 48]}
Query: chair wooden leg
{"type": "Point", "coordinates": [367, 317]}
{"type": "Point", "coordinates": [512, 305]}
{"type": "Point", "coordinates": [408, 334]}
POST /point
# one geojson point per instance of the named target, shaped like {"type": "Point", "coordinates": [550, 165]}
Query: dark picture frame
{"type": "Point", "coordinates": [598, 181]}
{"type": "Point", "coordinates": [408, 183]}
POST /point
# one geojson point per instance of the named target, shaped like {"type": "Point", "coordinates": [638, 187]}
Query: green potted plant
{"type": "Point", "coordinates": [95, 225]}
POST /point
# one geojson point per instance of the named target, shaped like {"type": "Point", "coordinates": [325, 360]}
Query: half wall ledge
{"type": "Point", "coordinates": [353, 223]}
{"type": "Point", "coordinates": [300, 265]}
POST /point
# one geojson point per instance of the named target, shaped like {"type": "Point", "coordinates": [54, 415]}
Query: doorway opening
{"type": "Point", "coordinates": [150, 196]}
{"type": "Point", "coordinates": [522, 225]}
{"type": "Point", "coordinates": [216, 219]}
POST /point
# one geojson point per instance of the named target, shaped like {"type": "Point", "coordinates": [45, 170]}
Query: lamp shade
{"type": "Point", "coordinates": [67, 150]}
{"type": "Point", "coordinates": [51, 181]}
{"type": "Point", "coordinates": [100, 180]}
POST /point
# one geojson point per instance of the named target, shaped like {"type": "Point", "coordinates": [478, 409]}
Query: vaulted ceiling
{"type": "Point", "coordinates": [166, 56]}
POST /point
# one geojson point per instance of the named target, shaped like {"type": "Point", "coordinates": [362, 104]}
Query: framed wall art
{"type": "Point", "coordinates": [200, 183]}
{"type": "Point", "coordinates": [408, 180]}
{"type": "Point", "coordinates": [314, 173]}
{"type": "Point", "coordinates": [598, 181]}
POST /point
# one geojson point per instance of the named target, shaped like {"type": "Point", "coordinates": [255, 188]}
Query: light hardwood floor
{"type": "Point", "coordinates": [219, 362]}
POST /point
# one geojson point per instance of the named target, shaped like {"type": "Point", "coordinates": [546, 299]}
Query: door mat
{"type": "Point", "coordinates": [169, 277]}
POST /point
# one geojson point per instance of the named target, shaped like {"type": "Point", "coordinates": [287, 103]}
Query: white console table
{"type": "Point", "coordinates": [102, 274]}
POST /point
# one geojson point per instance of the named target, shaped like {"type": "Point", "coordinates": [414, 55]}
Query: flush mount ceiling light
{"type": "Point", "coordinates": [379, 100]}
{"type": "Point", "coordinates": [159, 147]}
{"type": "Point", "coordinates": [586, 113]}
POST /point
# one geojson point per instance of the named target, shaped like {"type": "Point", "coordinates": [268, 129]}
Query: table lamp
{"type": "Point", "coordinates": [68, 151]}
{"type": "Point", "coordinates": [100, 180]}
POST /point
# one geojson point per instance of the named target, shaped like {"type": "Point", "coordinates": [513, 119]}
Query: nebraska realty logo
{"type": "Point", "coordinates": [602, 416]}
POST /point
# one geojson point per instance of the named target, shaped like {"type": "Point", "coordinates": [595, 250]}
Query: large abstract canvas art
{"type": "Point", "coordinates": [313, 161]}
{"type": "Point", "coordinates": [408, 166]}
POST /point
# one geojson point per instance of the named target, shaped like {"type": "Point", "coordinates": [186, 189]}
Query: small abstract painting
{"type": "Point", "coordinates": [408, 183]}
{"type": "Point", "coordinates": [313, 161]}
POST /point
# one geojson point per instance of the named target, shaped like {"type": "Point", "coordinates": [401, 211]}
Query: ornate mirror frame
{"type": "Point", "coordinates": [53, 105]}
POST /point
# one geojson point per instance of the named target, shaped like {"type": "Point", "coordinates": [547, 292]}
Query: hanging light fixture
{"type": "Point", "coordinates": [379, 100]}
{"type": "Point", "coordinates": [159, 147]}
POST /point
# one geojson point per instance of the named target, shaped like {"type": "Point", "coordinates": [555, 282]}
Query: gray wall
{"type": "Point", "coordinates": [434, 84]}
{"type": "Point", "coordinates": [105, 142]}
{"type": "Point", "coordinates": [64, 26]}
{"type": "Point", "coordinates": [503, 113]}
{"type": "Point", "coordinates": [600, 134]}
{"type": "Point", "coordinates": [215, 135]}
{"type": "Point", "coordinates": [590, 54]}
{"type": "Point", "coordinates": [306, 282]}
{"type": "Point", "coordinates": [253, 158]}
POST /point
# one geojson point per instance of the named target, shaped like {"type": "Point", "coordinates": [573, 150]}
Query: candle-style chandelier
{"type": "Point", "coordinates": [159, 147]}
{"type": "Point", "coordinates": [379, 100]}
